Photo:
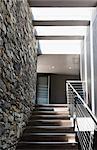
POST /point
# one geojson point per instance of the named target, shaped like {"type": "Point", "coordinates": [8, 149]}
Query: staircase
{"type": "Point", "coordinates": [49, 128]}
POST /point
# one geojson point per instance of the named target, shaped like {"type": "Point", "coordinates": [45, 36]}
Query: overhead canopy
{"type": "Point", "coordinates": [61, 30]}
{"type": "Point", "coordinates": [62, 3]}
{"type": "Point", "coordinates": [60, 37]}
{"type": "Point", "coordinates": [62, 23]}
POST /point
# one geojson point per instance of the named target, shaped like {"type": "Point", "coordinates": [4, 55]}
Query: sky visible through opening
{"type": "Point", "coordinates": [61, 46]}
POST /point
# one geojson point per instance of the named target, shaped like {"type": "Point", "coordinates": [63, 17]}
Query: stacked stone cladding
{"type": "Point", "coordinates": [18, 58]}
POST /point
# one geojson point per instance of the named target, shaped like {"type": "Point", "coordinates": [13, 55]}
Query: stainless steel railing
{"type": "Point", "coordinates": [80, 87]}
{"type": "Point", "coordinates": [84, 120]}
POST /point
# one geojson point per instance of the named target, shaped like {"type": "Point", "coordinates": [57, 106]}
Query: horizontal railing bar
{"type": "Point", "coordinates": [71, 81]}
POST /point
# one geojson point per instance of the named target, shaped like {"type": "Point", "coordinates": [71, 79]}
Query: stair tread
{"type": "Point", "coordinates": [50, 116]}
{"type": "Point", "coordinates": [49, 127]}
{"type": "Point", "coordinates": [54, 112]}
{"type": "Point", "coordinates": [52, 105]}
{"type": "Point", "coordinates": [55, 120]}
{"type": "Point", "coordinates": [52, 108]}
{"type": "Point", "coordinates": [49, 134]}
{"type": "Point", "coordinates": [51, 143]}
{"type": "Point", "coordinates": [44, 108]}
{"type": "Point", "coordinates": [51, 121]}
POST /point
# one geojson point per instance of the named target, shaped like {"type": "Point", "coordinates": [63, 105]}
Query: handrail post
{"type": "Point", "coordinates": [74, 117]}
{"type": "Point", "coordinates": [67, 92]}
{"type": "Point", "coordinates": [95, 140]}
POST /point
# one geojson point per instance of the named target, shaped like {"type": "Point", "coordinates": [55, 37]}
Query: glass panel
{"type": "Point", "coordinates": [42, 90]}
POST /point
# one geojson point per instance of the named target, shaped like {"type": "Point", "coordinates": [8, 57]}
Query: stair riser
{"type": "Point", "coordinates": [35, 117]}
{"type": "Point", "coordinates": [52, 108]}
{"type": "Point", "coordinates": [50, 113]}
{"type": "Point", "coordinates": [48, 146]}
{"type": "Point", "coordinates": [47, 138]}
{"type": "Point", "coordinates": [49, 124]}
{"type": "Point", "coordinates": [68, 130]}
{"type": "Point", "coordinates": [52, 105]}
{"type": "Point", "coordinates": [44, 123]}
{"type": "Point", "coordinates": [44, 109]}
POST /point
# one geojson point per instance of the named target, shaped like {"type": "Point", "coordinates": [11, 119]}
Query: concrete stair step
{"type": "Point", "coordinates": [51, 108]}
{"type": "Point", "coordinates": [47, 148]}
{"type": "Point", "coordinates": [51, 105]}
{"type": "Point", "coordinates": [44, 109]}
{"type": "Point", "coordinates": [45, 137]}
{"type": "Point", "coordinates": [50, 113]}
{"type": "Point", "coordinates": [66, 123]}
{"type": "Point", "coordinates": [62, 116]}
{"type": "Point", "coordinates": [48, 145]}
{"type": "Point", "coordinates": [47, 129]}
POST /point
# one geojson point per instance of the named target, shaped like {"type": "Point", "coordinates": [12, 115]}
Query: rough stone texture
{"type": "Point", "coordinates": [17, 70]}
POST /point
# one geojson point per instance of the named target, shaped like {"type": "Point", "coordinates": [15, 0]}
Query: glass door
{"type": "Point", "coordinates": [43, 89]}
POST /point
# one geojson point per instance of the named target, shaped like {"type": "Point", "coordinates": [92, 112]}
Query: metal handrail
{"type": "Point", "coordinates": [85, 122]}
{"type": "Point", "coordinates": [73, 81]}
{"type": "Point", "coordinates": [85, 105]}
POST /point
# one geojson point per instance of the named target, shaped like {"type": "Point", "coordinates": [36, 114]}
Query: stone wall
{"type": "Point", "coordinates": [17, 69]}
